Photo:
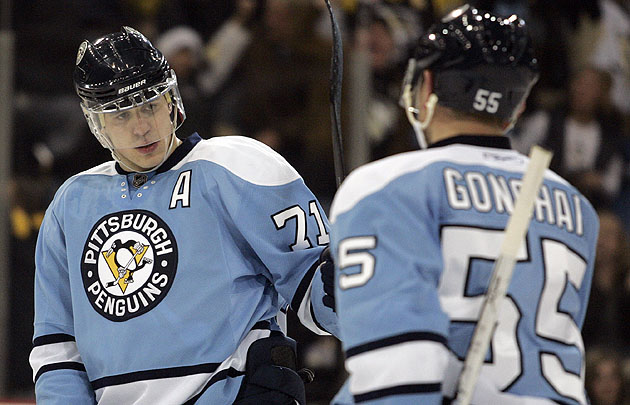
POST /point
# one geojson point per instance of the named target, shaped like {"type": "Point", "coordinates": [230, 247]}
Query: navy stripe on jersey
{"type": "Point", "coordinates": [394, 340]}
{"type": "Point", "coordinates": [262, 325]}
{"type": "Point", "coordinates": [399, 390]}
{"type": "Point", "coordinates": [174, 371]}
{"type": "Point", "coordinates": [154, 374]}
{"type": "Point", "coordinates": [66, 365]}
{"type": "Point", "coordinates": [53, 338]}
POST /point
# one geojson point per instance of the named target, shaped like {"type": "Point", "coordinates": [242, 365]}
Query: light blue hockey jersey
{"type": "Point", "coordinates": [415, 237]}
{"type": "Point", "coordinates": [151, 292]}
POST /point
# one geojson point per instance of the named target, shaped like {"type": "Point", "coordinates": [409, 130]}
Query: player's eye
{"type": "Point", "coordinates": [122, 117]}
{"type": "Point", "coordinates": [149, 109]}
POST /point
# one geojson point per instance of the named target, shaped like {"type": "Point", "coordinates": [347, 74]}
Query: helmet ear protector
{"type": "Point", "coordinates": [481, 64]}
{"type": "Point", "coordinates": [406, 101]}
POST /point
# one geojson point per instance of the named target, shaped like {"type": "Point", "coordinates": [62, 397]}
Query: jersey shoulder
{"type": "Point", "coordinates": [246, 158]}
{"type": "Point", "coordinates": [375, 176]}
{"type": "Point", "coordinates": [106, 169]}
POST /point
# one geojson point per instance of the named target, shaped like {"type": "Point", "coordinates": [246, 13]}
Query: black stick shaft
{"type": "Point", "coordinates": [336, 75]}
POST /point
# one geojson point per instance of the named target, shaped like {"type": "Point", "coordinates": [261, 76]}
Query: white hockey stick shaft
{"type": "Point", "coordinates": [515, 232]}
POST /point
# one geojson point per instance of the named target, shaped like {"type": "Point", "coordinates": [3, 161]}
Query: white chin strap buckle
{"type": "Point", "coordinates": [412, 113]}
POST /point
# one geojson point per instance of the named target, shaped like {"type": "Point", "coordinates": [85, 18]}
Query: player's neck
{"type": "Point", "coordinates": [440, 130]}
{"type": "Point", "coordinates": [176, 143]}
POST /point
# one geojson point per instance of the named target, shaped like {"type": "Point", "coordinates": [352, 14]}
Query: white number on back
{"type": "Point", "coordinates": [461, 245]}
{"type": "Point", "coordinates": [355, 252]}
{"type": "Point", "coordinates": [487, 101]}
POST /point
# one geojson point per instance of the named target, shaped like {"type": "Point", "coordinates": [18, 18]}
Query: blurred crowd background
{"type": "Point", "coordinates": [261, 68]}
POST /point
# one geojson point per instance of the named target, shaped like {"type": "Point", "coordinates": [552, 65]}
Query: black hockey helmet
{"type": "Point", "coordinates": [119, 71]}
{"type": "Point", "coordinates": [117, 64]}
{"type": "Point", "coordinates": [482, 63]}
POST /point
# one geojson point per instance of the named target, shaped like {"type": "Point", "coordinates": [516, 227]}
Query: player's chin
{"type": "Point", "coordinates": [151, 161]}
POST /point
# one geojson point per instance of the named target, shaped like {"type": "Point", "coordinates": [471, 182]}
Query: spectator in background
{"type": "Point", "coordinates": [561, 20]}
{"type": "Point", "coordinates": [182, 46]}
{"type": "Point", "coordinates": [606, 383]}
{"type": "Point", "coordinates": [608, 312]}
{"type": "Point", "coordinates": [222, 54]}
{"type": "Point", "coordinates": [506, 7]}
{"type": "Point", "coordinates": [278, 92]}
{"type": "Point", "coordinates": [585, 135]}
{"type": "Point", "coordinates": [612, 51]}
{"type": "Point", "coordinates": [443, 7]}
{"type": "Point", "coordinates": [226, 46]}
{"type": "Point", "coordinates": [390, 32]}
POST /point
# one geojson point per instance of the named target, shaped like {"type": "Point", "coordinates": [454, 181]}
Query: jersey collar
{"type": "Point", "coordinates": [178, 154]}
{"type": "Point", "coordinates": [500, 142]}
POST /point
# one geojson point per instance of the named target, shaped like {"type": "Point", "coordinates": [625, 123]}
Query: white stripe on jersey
{"type": "Point", "coordinates": [375, 176]}
{"type": "Point", "coordinates": [53, 353]}
{"type": "Point", "coordinates": [415, 362]}
{"type": "Point", "coordinates": [176, 390]}
{"type": "Point", "coordinates": [107, 168]}
{"type": "Point", "coordinates": [305, 315]}
{"type": "Point", "coordinates": [251, 160]}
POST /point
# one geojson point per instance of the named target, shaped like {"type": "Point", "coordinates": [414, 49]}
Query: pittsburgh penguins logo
{"type": "Point", "coordinates": [128, 264]}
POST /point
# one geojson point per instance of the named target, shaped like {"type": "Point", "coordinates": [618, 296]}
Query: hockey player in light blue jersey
{"type": "Point", "coordinates": [160, 274]}
{"type": "Point", "coordinates": [415, 236]}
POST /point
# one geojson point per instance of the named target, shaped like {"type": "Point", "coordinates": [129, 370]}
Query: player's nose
{"type": "Point", "coordinates": [140, 125]}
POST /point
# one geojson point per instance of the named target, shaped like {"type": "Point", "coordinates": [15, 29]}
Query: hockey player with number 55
{"type": "Point", "coordinates": [160, 273]}
{"type": "Point", "coordinates": [415, 236]}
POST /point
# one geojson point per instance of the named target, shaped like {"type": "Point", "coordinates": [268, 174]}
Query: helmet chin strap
{"type": "Point", "coordinates": [411, 112]}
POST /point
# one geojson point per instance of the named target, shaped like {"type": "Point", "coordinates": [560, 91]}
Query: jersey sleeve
{"type": "Point", "coordinates": [285, 226]}
{"type": "Point", "coordinates": [388, 265]}
{"type": "Point", "coordinates": [58, 370]}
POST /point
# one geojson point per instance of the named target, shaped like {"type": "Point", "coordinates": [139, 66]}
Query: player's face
{"type": "Point", "coordinates": [141, 135]}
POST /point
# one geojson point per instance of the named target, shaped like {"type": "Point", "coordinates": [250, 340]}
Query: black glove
{"type": "Point", "coordinates": [270, 376]}
{"type": "Point", "coordinates": [327, 270]}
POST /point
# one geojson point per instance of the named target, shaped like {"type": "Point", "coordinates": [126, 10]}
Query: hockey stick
{"type": "Point", "coordinates": [502, 273]}
{"type": "Point", "coordinates": [336, 74]}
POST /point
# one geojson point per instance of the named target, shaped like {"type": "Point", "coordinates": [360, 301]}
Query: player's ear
{"type": "Point", "coordinates": [169, 102]}
{"type": "Point", "coordinates": [517, 114]}
{"type": "Point", "coordinates": [427, 78]}
{"type": "Point", "coordinates": [520, 110]}
{"type": "Point", "coordinates": [426, 88]}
